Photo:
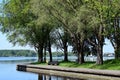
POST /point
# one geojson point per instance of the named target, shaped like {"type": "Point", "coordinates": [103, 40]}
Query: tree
{"type": "Point", "coordinates": [99, 9]}
{"type": "Point", "coordinates": [62, 41]}
{"type": "Point", "coordinates": [114, 26]}
{"type": "Point", "coordinates": [21, 27]}
{"type": "Point", "coordinates": [100, 22]}
{"type": "Point", "coordinates": [64, 14]}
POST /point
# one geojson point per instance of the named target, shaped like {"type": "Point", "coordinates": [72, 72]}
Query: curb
{"type": "Point", "coordinates": [52, 69]}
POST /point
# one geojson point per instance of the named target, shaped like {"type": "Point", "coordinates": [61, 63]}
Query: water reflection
{"type": "Point", "coordinates": [50, 77]}
{"type": "Point", "coordinates": [18, 61]}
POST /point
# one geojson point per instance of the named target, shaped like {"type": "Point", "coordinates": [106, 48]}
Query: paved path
{"type": "Point", "coordinates": [108, 73]}
{"type": "Point", "coordinates": [115, 73]}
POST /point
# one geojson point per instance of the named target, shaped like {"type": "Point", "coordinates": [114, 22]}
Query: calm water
{"type": "Point", "coordinates": [8, 71]}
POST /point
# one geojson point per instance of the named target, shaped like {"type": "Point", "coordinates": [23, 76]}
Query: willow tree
{"type": "Point", "coordinates": [114, 36]}
{"type": "Point", "coordinates": [114, 25]}
{"type": "Point", "coordinates": [14, 19]}
{"type": "Point", "coordinates": [102, 14]}
{"type": "Point", "coordinates": [65, 12]}
{"type": "Point", "coordinates": [19, 23]}
{"type": "Point", "coordinates": [62, 41]}
{"type": "Point", "coordinates": [97, 23]}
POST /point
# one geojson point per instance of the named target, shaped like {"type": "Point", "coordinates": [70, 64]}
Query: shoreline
{"type": "Point", "coordinates": [71, 72]}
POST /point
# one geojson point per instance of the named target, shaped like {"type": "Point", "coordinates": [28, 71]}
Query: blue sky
{"type": "Point", "coordinates": [108, 47]}
{"type": "Point", "coordinates": [4, 44]}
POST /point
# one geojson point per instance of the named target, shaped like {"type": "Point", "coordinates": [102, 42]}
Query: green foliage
{"type": "Point", "coordinates": [17, 53]}
{"type": "Point", "coordinates": [33, 22]}
{"type": "Point", "coordinates": [15, 20]}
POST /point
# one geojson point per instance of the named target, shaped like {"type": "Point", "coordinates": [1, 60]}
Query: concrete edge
{"type": "Point", "coordinates": [71, 72]}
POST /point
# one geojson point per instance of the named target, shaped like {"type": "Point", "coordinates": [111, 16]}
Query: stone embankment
{"type": "Point", "coordinates": [71, 72]}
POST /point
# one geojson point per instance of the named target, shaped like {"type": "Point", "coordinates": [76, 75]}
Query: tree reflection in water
{"type": "Point", "coordinates": [50, 77]}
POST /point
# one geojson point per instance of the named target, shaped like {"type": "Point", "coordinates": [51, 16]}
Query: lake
{"type": "Point", "coordinates": [8, 70]}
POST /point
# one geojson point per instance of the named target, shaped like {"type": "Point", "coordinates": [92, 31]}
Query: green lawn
{"type": "Point", "coordinates": [108, 65]}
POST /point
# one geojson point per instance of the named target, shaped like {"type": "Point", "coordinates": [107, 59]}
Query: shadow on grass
{"type": "Point", "coordinates": [113, 64]}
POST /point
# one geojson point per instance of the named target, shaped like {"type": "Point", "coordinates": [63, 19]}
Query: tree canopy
{"type": "Point", "coordinates": [85, 25]}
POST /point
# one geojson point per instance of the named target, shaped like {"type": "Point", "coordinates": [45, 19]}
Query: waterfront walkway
{"type": "Point", "coordinates": [74, 72]}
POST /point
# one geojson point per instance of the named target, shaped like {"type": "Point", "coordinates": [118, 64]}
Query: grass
{"type": "Point", "coordinates": [108, 65]}
{"type": "Point", "coordinates": [76, 65]}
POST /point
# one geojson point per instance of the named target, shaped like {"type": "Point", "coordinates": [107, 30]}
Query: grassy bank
{"type": "Point", "coordinates": [108, 65]}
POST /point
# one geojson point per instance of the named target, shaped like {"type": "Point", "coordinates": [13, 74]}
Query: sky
{"type": "Point", "coordinates": [108, 47]}
{"type": "Point", "coordinates": [4, 44]}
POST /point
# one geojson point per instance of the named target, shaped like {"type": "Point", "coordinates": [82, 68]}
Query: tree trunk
{"type": "Point", "coordinates": [49, 49]}
{"type": "Point", "coordinates": [65, 51]}
{"type": "Point", "coordinates": [80, 52]}
{"type": "Point", "coordinates": [80, 58]}
{"type": "Point", "coordinates": [116, 36]}
{"type": "Point", "coordinates": [78, 42]}
{"type": "Point", "coordinates": [40, 54]}
{"type": "Point", "coordinates": [45, 54]}
{"type": "Point", "coordinates": [65, 54]}
{"type": "Point", "coordinates": [117, 50]}
{"type": "Point", "coordinates": [99, 46]}
{"type": "Point", "coordinates": [99, 54]}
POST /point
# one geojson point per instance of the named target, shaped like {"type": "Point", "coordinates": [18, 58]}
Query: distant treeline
{"type": "Point", "coordinates": [17, 53]}
{"type": "Point", "coordinates": [59, 54]}
{"type": "Point", "coordinates": [28, 53]}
